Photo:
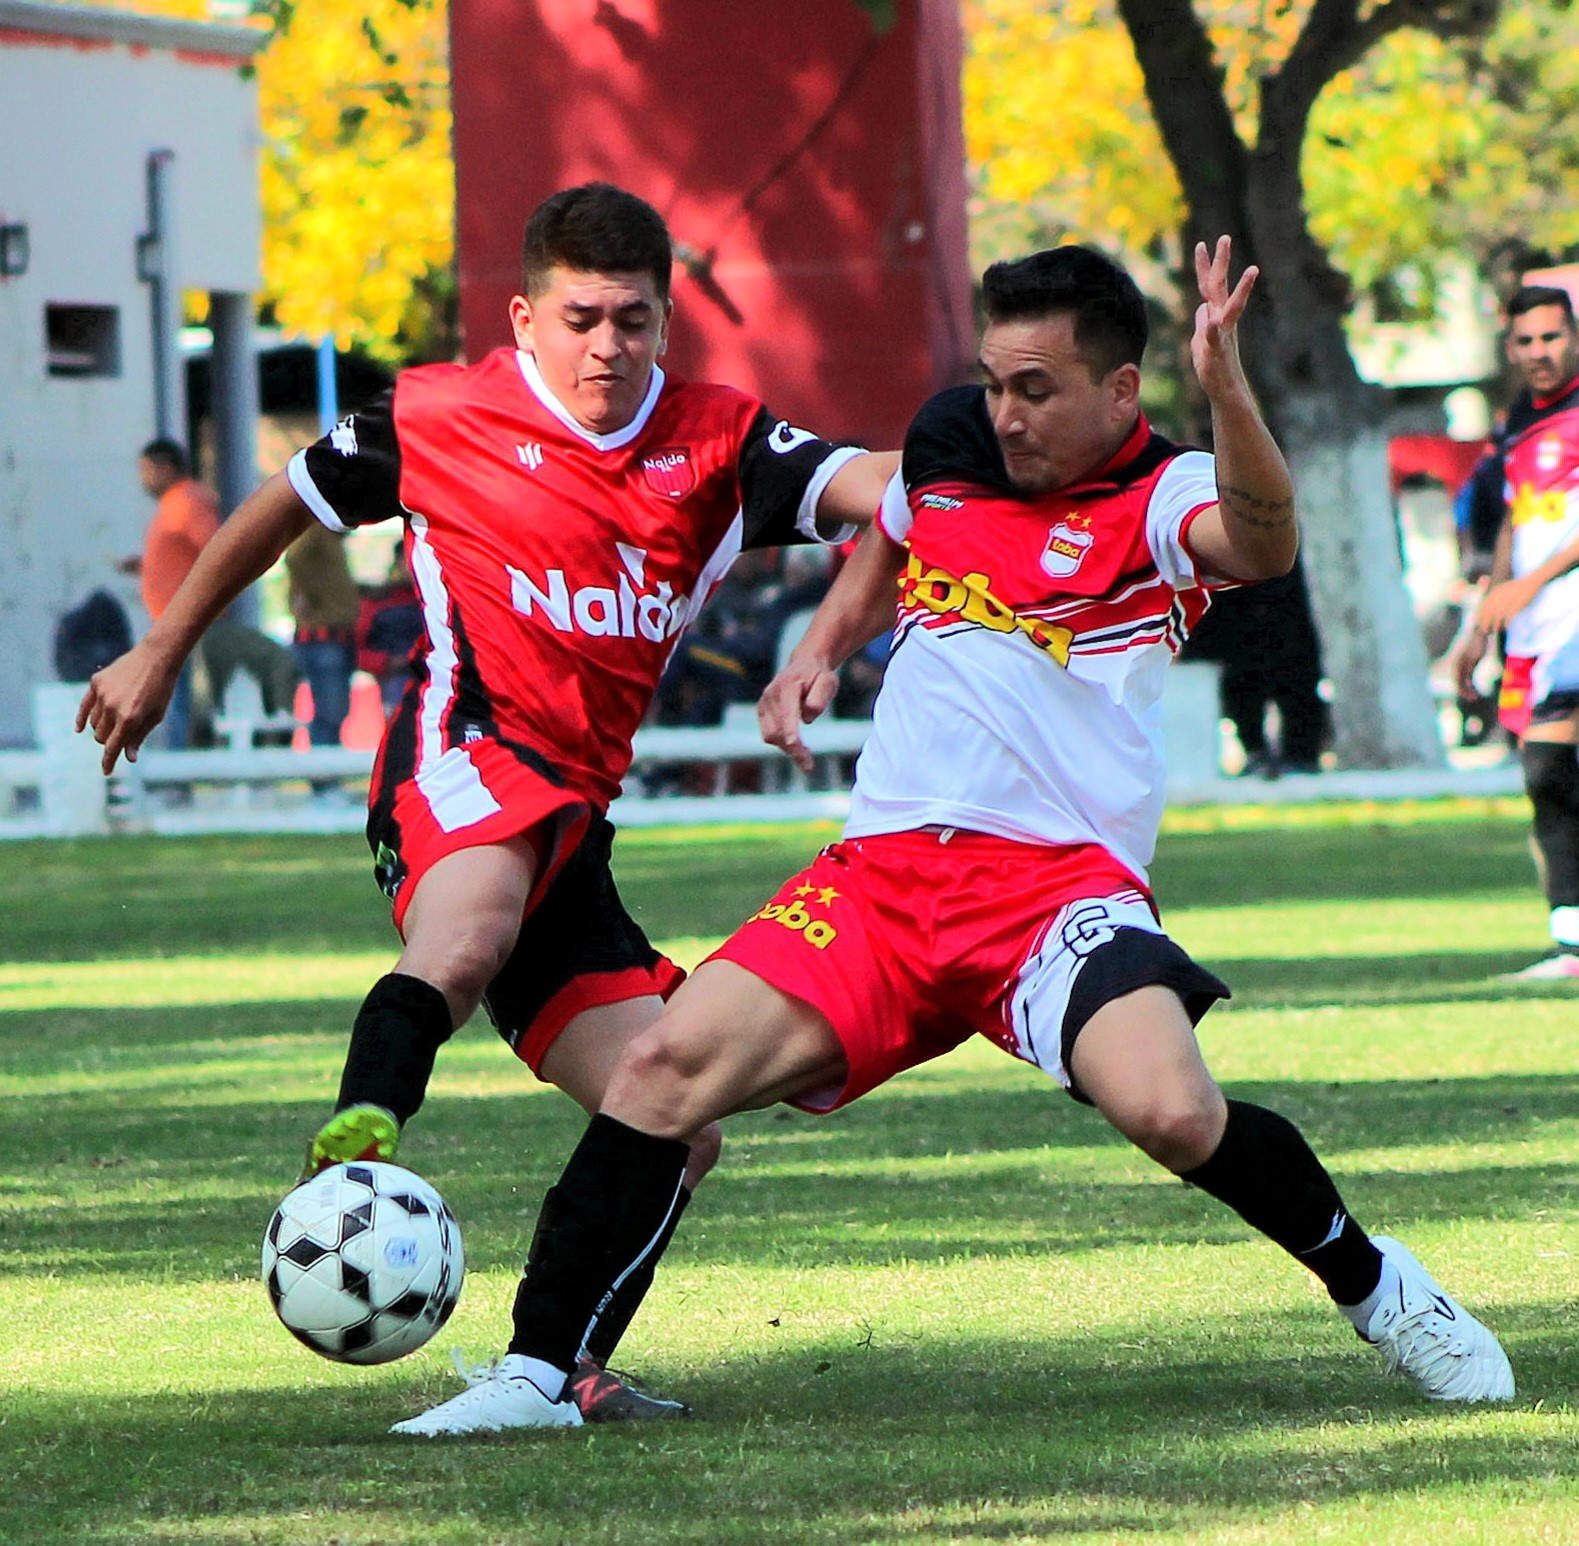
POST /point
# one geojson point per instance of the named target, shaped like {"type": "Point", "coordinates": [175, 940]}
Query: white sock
{"type": "Point", "coordinates": [1565, 927]}
{"type": "Point", "coordinates": [548, 1379]}
{"type": "Point", "coordinates": [1360, 1314]}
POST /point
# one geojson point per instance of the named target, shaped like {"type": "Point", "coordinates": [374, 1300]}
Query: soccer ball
{"type": "Point", "coordinates": [363, 1263]}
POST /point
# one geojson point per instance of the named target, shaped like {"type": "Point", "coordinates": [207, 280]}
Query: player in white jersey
{"type": "Point", "coordinates": [1534, 595]}
{"type": "Point", "coordinates": [1050, 553]}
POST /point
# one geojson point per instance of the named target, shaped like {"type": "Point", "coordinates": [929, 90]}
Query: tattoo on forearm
{"type": "Point", "coordinates": [1253, 510]}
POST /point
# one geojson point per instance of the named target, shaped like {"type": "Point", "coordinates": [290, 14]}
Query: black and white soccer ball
{"type": "Point", "coordinates": [363, 1263]}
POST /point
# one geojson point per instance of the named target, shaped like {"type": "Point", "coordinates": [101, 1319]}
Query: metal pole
{"type": "Point", "coordinates": [156, 267]}
{"type": "Point", "coordinates": [328, 392]}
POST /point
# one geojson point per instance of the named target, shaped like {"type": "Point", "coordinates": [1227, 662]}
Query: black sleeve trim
{"type": "Point", "coordinates": [355, 468]}
{"type": "Point", "coordinates": [777, 464]}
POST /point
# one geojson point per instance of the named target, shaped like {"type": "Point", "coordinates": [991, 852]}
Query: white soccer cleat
{"type": "Point", "coordinates": [495, 1399]}
{"type": "Point", "coordinates": [1433, 1339]}
{"type": "Point", "coordinates": [1562, 967]}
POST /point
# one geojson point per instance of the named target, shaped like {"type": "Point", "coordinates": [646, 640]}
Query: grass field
{"type": "Point", "coordinates": [962, 1311]}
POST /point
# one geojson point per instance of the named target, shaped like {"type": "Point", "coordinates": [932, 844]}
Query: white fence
{"type": "Point", "coordinates": [58, 790]}
{"type": "Point", "coordinates": [680, 776]}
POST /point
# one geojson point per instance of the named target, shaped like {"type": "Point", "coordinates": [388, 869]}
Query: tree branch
{"type": "Point", "coordinates": [1184, 86]}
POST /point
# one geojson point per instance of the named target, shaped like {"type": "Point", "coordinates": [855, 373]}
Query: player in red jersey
{"type": "Point", "coordinates": [1050, 553]}
{"type": "Point", "coordinates": [568, 508]}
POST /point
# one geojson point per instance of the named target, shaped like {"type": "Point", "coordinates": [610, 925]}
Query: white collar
{"type": "Point", "coordinates": [621, 437]}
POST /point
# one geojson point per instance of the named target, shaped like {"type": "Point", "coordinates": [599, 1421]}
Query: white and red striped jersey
{"type": "Point", "coordinates": [1023, 694]}
{"type": "Point", "coordinates": [556, 567]}
{"type": "Point", "coordinates": [1541, 467]}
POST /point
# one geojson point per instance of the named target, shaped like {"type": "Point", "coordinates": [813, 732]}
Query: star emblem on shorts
{"type": "Point", "coordinates": [827, 895]}
{"type": "Point", "coordinates": [804, 889]}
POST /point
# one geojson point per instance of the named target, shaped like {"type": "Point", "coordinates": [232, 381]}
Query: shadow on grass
{"type": "Point", "coordinates": [929, 1174]}
{"type": "Point", "coordinates": [1354, 982]}
{"type": "Point", "coordinates": [834, 1442]}
{"type": "Point", "coordinates": [1369, 862]}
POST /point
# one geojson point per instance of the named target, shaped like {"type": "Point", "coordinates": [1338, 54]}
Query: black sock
{"type": "Point", "coordinates": [1551, 779]}
{"type": "Point", "coordinates": [399, 1029]}
{"type": "Point", "coordinates": [609, 1213]}
{"type": "Point", "coordinates": [1266, 1172]}
{"type": "Point", "coordinates": [622, 1308]}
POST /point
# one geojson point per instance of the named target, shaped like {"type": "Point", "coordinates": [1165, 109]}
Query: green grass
{"type": "Point", "coordinates": [962, 1311]}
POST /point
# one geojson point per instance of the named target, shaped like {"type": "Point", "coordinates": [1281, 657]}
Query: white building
{"type": "Point", "coordinates": [128, 175]}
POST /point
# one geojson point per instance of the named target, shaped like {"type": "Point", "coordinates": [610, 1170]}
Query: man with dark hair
{"type": "Point", "coordinates": [1050, 553]}
{"type": "Point", "coordinates": [1534, 595]}
{"type": "Point", "coordinates": [568, 509]}
{"type": "Point", "coordinates": [184, 522]}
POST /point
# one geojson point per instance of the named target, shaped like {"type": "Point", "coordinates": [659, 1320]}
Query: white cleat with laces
{"type": "Point", "coordinates": [497, 1396]}
{"type": "Point", "coordinates": [1433, 1339]}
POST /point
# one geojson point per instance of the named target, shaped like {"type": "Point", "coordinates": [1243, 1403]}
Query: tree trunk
{"type": "Point", "coordinates": [1327, 421]}
{"type": "Point", "coordinates": [1372, 649]}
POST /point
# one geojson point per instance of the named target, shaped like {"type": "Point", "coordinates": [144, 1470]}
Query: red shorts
{"type": "Point", "coordinates": [910, 942]}
{"type": "Point", "coordinates": [1515, 697]}
{"type": "Point", "coordinates": [473, 796]}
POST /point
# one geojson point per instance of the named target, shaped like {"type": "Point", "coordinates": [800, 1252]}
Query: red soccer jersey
{"type": "Point", "coordinates": [556, 567]}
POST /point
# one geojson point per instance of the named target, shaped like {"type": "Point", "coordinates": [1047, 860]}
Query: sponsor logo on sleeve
{"type": "Point", "coordinates": [343, 436]}
{"type": "Point", "coordinates": [785, 437]}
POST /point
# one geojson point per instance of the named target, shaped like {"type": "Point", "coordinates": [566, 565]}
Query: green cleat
{"type": "Point", "coordinates": [357, 1133]}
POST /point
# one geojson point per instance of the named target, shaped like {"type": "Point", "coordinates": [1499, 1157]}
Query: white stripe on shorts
{"type": "Point", "coordinates": [1047, 977]}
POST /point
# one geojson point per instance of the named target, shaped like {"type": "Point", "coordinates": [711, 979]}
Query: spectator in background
{"type": "Point", "coordinates": [1265, 638]}
{"type": "Point", "coordinates": [228, 647]}
{"type": "Point", "coordinates": [731, 654]}
{"type": "Point", "coordinates": [185, 518]}
{"type": "Point", "coordinates": [324, 601]}
{"type": "Point", "coordinates": [388, 625]}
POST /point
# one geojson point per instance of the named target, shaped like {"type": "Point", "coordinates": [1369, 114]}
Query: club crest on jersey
{"type": "Point", "coordinates": [1066, 549]}
{"type": "Point", "coordinates": [669, 472]}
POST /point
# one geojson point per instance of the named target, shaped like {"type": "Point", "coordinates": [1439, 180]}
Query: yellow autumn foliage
{"type": "Point", "coordinates": [1417, 153]}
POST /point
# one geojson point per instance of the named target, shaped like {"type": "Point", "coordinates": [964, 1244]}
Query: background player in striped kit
{"type": "Point", "coordinates": [1534, 595]}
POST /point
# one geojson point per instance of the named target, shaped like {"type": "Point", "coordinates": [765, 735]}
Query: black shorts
{"type": "Point", "coordinates": [578, 949]}
{"type": "Point", "coordinates": [1556, 706]}
{"type": "Point", "coordinates": [1135, 958]}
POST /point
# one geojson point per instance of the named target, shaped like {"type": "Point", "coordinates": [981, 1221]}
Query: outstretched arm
{"type": "Point", "coordinates": [856, 490]}
{"type": "Point", "coordinates": [858, 607]}
{"type": "Point", "coordinates": [1250, 533]}
{"type": "Point", "coordinates": [129, 696]}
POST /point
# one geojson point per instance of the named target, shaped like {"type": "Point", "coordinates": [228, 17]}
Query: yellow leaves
{"type": "Point", "coordinates": [1057, 130]}
{"type": "Point", "coordinates": [1413, 154]}
{"type": "Point", "coordinates": [358, 186]}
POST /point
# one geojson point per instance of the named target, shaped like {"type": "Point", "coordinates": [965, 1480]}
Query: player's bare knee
{"type": "Point", "coordinates": [1179, 1133]}
{"type": "Point", "coordinates": [471, 959]}
{"type": "Point", "coordinates": [660, 1085]}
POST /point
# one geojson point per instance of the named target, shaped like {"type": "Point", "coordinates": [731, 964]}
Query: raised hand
{"type": "Point", "coordinates": [1214, 348]}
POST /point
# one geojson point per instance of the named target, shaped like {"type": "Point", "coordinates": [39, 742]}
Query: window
{"type": "Point", "coordinates": [82, 340]}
